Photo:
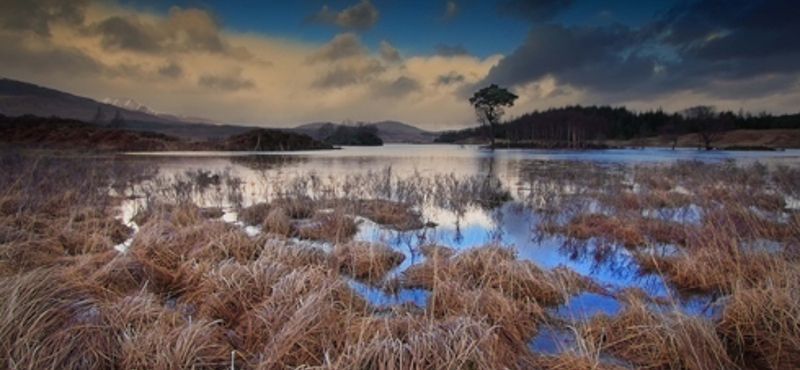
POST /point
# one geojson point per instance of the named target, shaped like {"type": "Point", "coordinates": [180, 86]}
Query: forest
{"type": "Point", "coordinates": [580, 127]}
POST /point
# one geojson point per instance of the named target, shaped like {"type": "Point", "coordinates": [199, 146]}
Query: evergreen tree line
{"type": "Point", "coordinates": [581, 127]}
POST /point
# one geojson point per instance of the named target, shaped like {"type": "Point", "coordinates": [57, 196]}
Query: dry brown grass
{"type": "Point", "coordinates": [38, 306]}
{"type": "Point", "coordinates": [366, 261]}
{"type": "Point", "coordinates": [333, 226]}
{"type": "Point", "coordinates": [24, 255]}
{"type": "Point", "coordinates": [231, 290]}
{"type": "Point", "coordinates": [302, 321]}
{"type": "Point", "coordinates": [277, 222]}
{"type": "Point", "coordinates": [184, 213]}
{"type": "Point", "coordinates": [495, 267]}
{"type": "Point", "coordinates": [432, 251]}
{"type": "Point", "coordinates": [568, 360]}
{"type": "Point", "coordinates": [716, 257]}
{"type": "Point", "coordinates": [410, 343]}
{"type": "Point", "coordinates": [290, 254]}
{"type": "Point", "coordinates": [219, 241]}
{"type": "Point", "coordinates": [254, 214]}
{"type": "Point", "coordinates": [712, 269]}
{"type": "Point", "coordinates": [585, 226]}
{"type": "Point", "coordinates": [762, 323]}
{"type": "Point", "coordinates": [652, 340]}
{"type": "Point", "coordinates": [396, 215]}
{"type": "Point", "coordinates": [514, 321]}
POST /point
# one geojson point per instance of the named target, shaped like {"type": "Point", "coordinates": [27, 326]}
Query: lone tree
{"type": "Point", "coordinates": [704, 120]}
{"type": "Point", "coordinates": [488, 103]}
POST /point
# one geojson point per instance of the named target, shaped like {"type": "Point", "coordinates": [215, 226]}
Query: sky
{"type": "Point", "coordinates": [281, 64]}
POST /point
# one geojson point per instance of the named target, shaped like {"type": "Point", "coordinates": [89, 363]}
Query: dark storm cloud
{"type": "Point", "coordinates": [342, 46]}
{"type": "Point", "coordinates": [701, 46]}
{"type": "Point", "coordinates": [359, 17]}
{"type": "Point", "coordinates": [346, 76]}
{"type": "Point", "coordinates": [398, 88]}
{"type": "Point", "coordinates": [552, 49]}
{"type": "Point", "coordinates": [535, 10]}
{"type": "Point", "coordinates": [171, 70]}
{"type": "Point", "coordinates": [450, 51]}
{"type": "Point", "coordinates": [37, 15]}
{"type": "Point", "coordinates": [230, 82]}
{"type": "Point", "coordinates": [740, 31]}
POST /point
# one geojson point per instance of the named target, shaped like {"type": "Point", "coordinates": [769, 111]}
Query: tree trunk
{"type": "Point", "coordinates": [491, 135]}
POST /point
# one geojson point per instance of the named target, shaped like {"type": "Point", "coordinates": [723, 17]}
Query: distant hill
{"type": "Point", "coordinates": [134, 105]}
{"type": "Point", "coordinates": [68, 134]}
{"type": "Point", "coordinates": [388, 131]}
{"type": "Point", "coordinates": [19, 98]}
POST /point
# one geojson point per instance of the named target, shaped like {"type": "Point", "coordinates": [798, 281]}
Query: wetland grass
{"type": "Point", "coordinates": [194, 292]}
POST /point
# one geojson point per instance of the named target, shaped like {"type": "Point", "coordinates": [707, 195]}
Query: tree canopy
{"type": "Point", "coordinates": [488, 103]}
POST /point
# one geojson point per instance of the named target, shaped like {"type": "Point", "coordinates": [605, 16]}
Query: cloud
{"type": "Point", "coordinates": [16, 58]}
{"type": "Point", "coordinates": [359, 17]}
{"type": "Point", "coordinates": [389, 53]}
{"type": "Point", "coordinates": [452, 77]}
{"type": "Point", "coordinates": [450, 51]}
{"type": "Point", "coordinates": [350, 75]}
{"type": "Point", "coordinates": [450, 10]}
{"type": "Point", "coordinates": [172, 63]}
{"type": "Point", "coordinates": [37, 15]}
{"type": "Point", "coordinates": [171, 70]}
{"type": "Point", "coordinates": [128, 33]}
{"type": "Point", "coordinates": [226, 82]}
{"type": "Point", "coordinates": [183, 30]}
{"type": "Point", "coordinates": [342, 46]}
{"type": "Point", "coordinates": [747, 35]}
{"type": "Point", "coordinates": [398, 88]}
{"type": "Point", "coordinates": [534, 10]}
{"type": "Point", "coordinates": [708, 46]}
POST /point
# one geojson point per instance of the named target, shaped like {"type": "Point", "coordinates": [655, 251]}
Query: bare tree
{"type": "Point", "coordinates": [704, 120]}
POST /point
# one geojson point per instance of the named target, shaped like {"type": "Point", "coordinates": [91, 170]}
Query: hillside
{"type": "Point", "coordinates": [20, 98]}
{"type": "Point", "coordinates": [388, 131]}
{"type": "Point", "coordinates": [69, 134]}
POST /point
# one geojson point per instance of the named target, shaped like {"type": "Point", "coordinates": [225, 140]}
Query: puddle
{"type": "Point", "coordinates": [585, 305]}
{"type": "Point", "coordinates": [551, 340]}
{"type": "Point", "coordinates": [380, 298]}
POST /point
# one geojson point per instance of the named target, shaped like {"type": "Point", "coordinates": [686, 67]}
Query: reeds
{"type": "Point", "coordinates": [410, 343]}
{"type": "Point", "coordinates": [366, 261]}
{"type": "Point", "coordinates": [335, 226]}
{"type": "Point", "coordinates": [761, 323]}
{"type": "Point", "coordinates": [649, 339]}
{"type": "Point", "coordinates": [191, 292]}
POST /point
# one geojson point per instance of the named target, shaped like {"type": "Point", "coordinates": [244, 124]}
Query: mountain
{"type": "Point", "coordinates": [134, 105]}
{"type": "Point", "coordinates": [388, 131]}
{"type": "Point", "coordinates": [19, 98]}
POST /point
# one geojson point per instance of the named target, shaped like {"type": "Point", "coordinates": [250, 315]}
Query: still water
{"type": "Point", "coordinates": [511, 223]}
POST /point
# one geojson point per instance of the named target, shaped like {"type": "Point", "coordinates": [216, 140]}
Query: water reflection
{"type": "Point", "coordinates": [474, 197]}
